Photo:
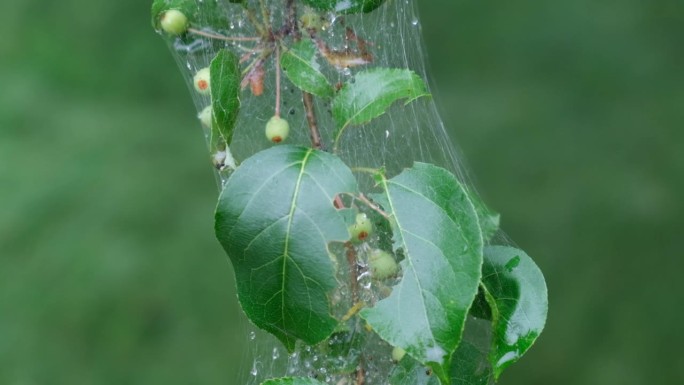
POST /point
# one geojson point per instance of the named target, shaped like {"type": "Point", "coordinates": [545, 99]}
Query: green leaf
{"type": "Point", "coordinates": [300, 66]}
{"type": "Point", "coordinates": [470, 364]}
{"type": "Point", "coordinates": [275, 219]}
{"type": "Point", "coordinates": [372, 93]}
{"type": "Point", "coordinates": [435, 226]}
{"type": "Point", "coordinates": [345, 6]}
{"type": "Point", "coordinates": [188, 7]}
{"type": "Point", "coordinates": [225, 94]}
{"type": "Point", "coordinates": [410, 372]}
{"type": "Point", "coordinates": [517, 295]}
{"type": "Point", "coordinates": [489, 220]}
{"type": "Point", "coordinates": [293, 381]}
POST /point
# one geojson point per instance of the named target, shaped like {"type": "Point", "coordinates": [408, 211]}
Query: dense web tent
{"type": "Point", "coordinates": [428, 289]}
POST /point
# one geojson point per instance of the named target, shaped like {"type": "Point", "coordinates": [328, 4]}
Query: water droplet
{"type": "Point", "coordinates": [252, 336]}
{"type": "Point", "coordinates": [414, 22]}
{"type": "Point", "coordinates": [254, 370]}
{"type": "Point", "coordinates": [276, 353]}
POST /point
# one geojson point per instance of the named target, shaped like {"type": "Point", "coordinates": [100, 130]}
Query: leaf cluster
{"type": "Point", "coordinates": [284, 215]}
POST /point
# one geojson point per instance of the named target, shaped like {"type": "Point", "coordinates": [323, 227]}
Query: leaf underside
{"type": "Point", "coordinates": [435, 226]}
{"type": "Point", "coordinates": [225, 95]}
{"type": "Point", "coordinates": [517, 295]}
{"type": "Point", "coordinates": [470, 363]}
{"type": "Point", "coordinates": [275, 219]}
{"type": "Point", "coordinates": [371, 94]}
{"type": "Point", "coordinates": [300, 66]}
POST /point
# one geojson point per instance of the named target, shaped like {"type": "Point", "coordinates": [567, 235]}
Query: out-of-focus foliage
{"type": "Point", "coordinates": [569, 115]}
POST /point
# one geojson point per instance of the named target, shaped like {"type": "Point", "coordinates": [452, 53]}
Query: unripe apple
{"type": "Point", "coordinates": [277, 129]}
{"type": "Point", "coordinates": [206, 116]}
{"type": "Point", "coordinates": [398, 353]}
{"type": "Point", "coordinates": [201, 81]}
{"type": "Point", "coordinates": [362, 229]}
{"type": "Point", "coordinates": [311, 20]}
{"type": "Point", "coordinates": [174, 22]}
{"type": "Point", "coordinates": [382, 264]}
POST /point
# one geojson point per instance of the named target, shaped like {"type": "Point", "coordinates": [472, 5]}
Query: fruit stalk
{"type": "Point", "coordinates": [307, 99]}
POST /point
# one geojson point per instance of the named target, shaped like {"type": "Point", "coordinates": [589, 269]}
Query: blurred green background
{"type": "Point", "coordinates": [569, 113]}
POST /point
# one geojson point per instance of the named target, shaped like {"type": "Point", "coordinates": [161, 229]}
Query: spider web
{"type": "Point", "coordinates": [404, 135]}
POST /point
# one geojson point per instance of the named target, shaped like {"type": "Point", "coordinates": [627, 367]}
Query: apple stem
{"type": "Point", "coordinates": [277, 106]}
{"type": "Point", "coordinates": [221, 37]}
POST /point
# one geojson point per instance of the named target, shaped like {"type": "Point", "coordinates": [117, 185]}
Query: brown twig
{"type": "Point", "coordinates": [360, 375]}
{"type": "Point", "coordinates": [353, 271]}
{"type": "Point", "coordinates": [315, 134]}
{"type": "Point", "coordinates": [292, 28]}
{"type": "Point", "coordinates": [251, 16]}
{"type": "Point", "coordinates": [373, 206]}
{"type": "Point", "coordinates": [338, 202]}
{"type": "Point", "coordinates": [291, 19]}
{"type": "Point", "coordinates": [277, 106]}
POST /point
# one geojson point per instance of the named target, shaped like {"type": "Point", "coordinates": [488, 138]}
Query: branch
{"type": "Point", "coordinates": [221, 37]}
{"type": "Point", "coordinates": [307, 98]}
{"type": "Point", "coordinates": [291, 19]}
{"type": "Point", "coordinates": [277, 106]}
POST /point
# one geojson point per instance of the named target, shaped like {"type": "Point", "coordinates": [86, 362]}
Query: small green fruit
{"type": "Point", "coordinates": [311, 20]}
{"type": "Point", "coordinates": [174, 22]}
{"type": "Point", "coordinates": [362, 229]}
{"type": "Point", "coordinates": [201, 81]}
{"type": "Point", "coordinates": [382, 264]}
{"type": "Point", "coordinates": [206, 116]}
{"type": "Point", "coordinates": [277, 129]}
{"type": "Point", "coordinates": [397, 354]}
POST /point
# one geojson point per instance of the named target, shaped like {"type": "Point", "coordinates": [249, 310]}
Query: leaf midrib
{"type": "Point", "coordinates": [293, 206]}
